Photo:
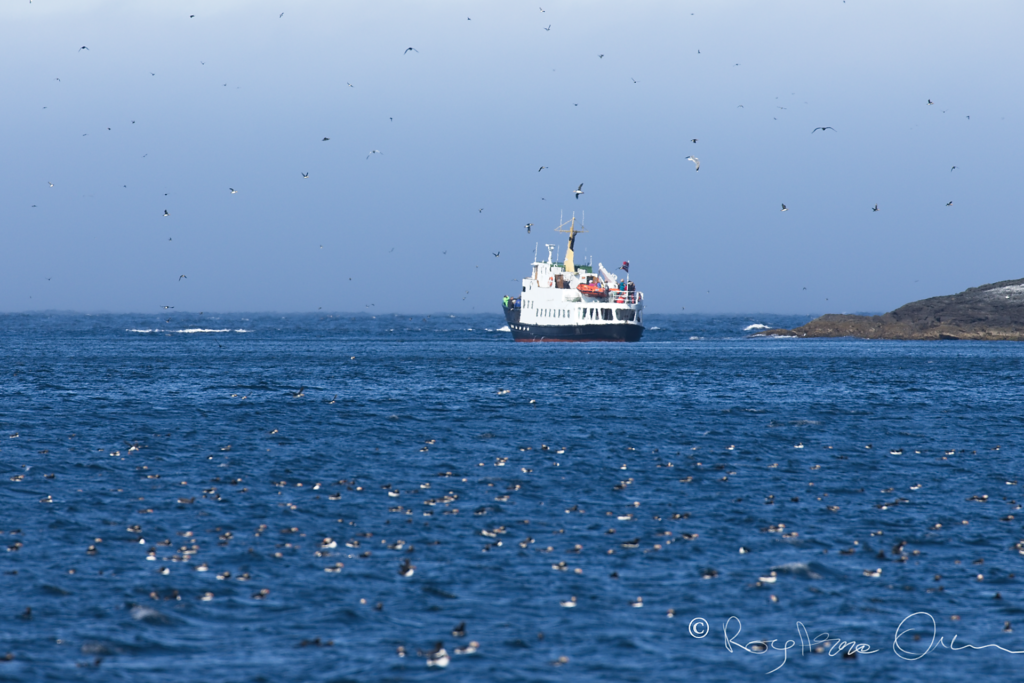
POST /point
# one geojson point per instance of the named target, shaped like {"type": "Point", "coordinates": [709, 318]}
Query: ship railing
{"type": "Point", "coordinates": [616, 296]}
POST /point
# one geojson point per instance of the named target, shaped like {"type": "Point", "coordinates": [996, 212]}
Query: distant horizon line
{"type": "Point", "coordinates": [446, 314]}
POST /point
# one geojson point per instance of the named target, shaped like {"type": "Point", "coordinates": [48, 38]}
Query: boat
{"type": "Point", "coordinates": [565, 302]}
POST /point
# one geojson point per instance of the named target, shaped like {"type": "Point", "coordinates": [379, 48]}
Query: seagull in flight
{"type": "Point", "coordinates": [410, 48]}
{"type": "Point", "coordinates": [300, 393]}
{"type": "Point", "coordinates": [823, 128]}
{"type": "Point", "coordinates": [83, 48]}
{"type": "Point", "coordinates": [374, 151]}
{"type": "Point", "coordinates": [497, 254]}
{"type": "Point", "coordinates": [950, 170]}
{"type": "Point", "coordinates": [875, 208]}
{"type": "Point", "coordinates": [306, 176]}
{"type": "Point", "coordinates": [166, 307]}
{"type": "Point", "coordinates": [528, 226]}
{"type": "Point", "coordinates": [325, 140]}
{"type": "Point", "coordinates": [949, 203]}
{"type": "Point", "coordinates": [233, 190]}
{"type": "Point", "coordinates": [930, 102]}
{"type": "Point", "coordinates": [693, 140]}
{"type": "Point", "coordinates": [633, 79]}
{"type": "Point", "coordinates": [600, 56]}
{"type": "Point", "coordinates": [578, 191]}
{"type": "Point", "coordinates": [548, 28]}
{"type": "Point", "coordinates": [51, 184]}
{"type": "Point", "coordinates": [541, 169]}
{"type": "Point", "coordinates": [166, 214]}
{"type": "Point", "coordinates": [696, 162]}
{"type": "Point", "coordinates": [481, 210]}
{"type": "Point", "coordinates": [280, 15]}
{"type": "Point", "coordinates": [182, 277]}
{"type": "Point", "coordinates": [784, 208]}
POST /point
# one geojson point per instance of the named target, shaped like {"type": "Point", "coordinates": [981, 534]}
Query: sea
{"type": "Point", "coordinates": [256, 497]}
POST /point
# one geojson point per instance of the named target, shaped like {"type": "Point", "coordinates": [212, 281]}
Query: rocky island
{"type": "Point", "coordinates": [990, 312]}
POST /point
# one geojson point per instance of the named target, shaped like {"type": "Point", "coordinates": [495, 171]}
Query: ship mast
{"type": "Point", "coordinates": [568, 264]}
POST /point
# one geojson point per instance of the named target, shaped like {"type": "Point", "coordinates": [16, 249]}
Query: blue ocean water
{"type": "Point", "coordinates": [171, 508]}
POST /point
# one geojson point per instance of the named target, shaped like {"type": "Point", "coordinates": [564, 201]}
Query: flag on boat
{"type": "Point", "coordinates": [624, 266]}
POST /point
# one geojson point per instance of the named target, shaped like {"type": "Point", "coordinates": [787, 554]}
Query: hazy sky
{"type": "Point", "coordinates": [166, 112]}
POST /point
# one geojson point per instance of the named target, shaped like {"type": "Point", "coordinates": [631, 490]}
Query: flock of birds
{"type": "Point", "coordinates": [577, 193]}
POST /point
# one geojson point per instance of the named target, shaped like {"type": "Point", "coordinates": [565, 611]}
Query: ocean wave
{"type": "Point", "coordinates": [503, 328]}
{"type": "Point", "coordinates": [193, 330]}
{"type": "Point", "coordinates": [756, 326]}
{"type": "Point", "coordinates": [190, 330]}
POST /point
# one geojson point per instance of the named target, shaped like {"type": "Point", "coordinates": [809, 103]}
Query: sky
{"type": "Point", "coordinates": [166, 111]}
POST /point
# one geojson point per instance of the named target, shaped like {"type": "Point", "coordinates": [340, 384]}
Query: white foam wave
{"type": "Point", "coordinates": [503, 328]}
{"type": "Point", "coordinates": [756, 326]}
{"type": "Point", "coordinates": [193, 330]}
{"type": "Point", "coordinates": [190, 330]}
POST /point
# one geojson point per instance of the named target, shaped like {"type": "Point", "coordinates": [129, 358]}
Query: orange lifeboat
{"type": "Point", "coordinates": [593, 289]}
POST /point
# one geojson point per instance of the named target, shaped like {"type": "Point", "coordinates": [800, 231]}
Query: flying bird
{"type": "Point", "coordinates": [305, 175]}
{"type": "Point", "coordinates": [548, 28]}
{"type": "Point", "coordinates": [784, 208]}
{"type": "Point", "coordinates": [541, 169]}
{"type": "Point", "coordinates": [696, 162]}
{"type": "Point", "coordinates": [528, 226]}
{"type": "Point", "coordinates": [166, 214]}
{"type": "Point", "coordinates": [350, 85]}
{"type": "Point", "coordinates": [950, 170]}
{"type": "Point", "coordinates": [280, 15]}
{"type": "Point", "coordinates": [633, 79]}
{"type": "Point", "coordinates": [949, 203]}
{"type": "Point", "coordinates": [83, 48]}
{"type": "Point", "coordinates": [410, 48]}
{"type": "Point", "coordinates": [930, 102]}
{"type": "Point", "coordinates": [496, 255]}
{"type": "Point", "coordinates": [374, 151]}
{"type": "Point", "coordinates": [875, 208]}
{"type": "Point", "coordinates": [51, 184]}
{"type": "Point", "coordinates": [481, 210]}
{"type": "Point", "coordinates": [233, 190]}
{"type": "Point", "coordinates": [166, 307]}
{"type": "Point", "coordinates": [693, 140]}
{"type": "Point", "coordinates": [578, 191]}
{"type": "Point", "coordinates": [182, 277]}
{"type": "Point", "coordinates": [325, 140]}
{"type": "Point", "coordinates": [823, 128]}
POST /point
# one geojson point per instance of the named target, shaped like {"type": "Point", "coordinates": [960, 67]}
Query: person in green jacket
{"type": "Point", "coordinates": [504, 301]}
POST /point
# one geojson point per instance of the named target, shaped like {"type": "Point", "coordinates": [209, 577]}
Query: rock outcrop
{"type": "Point", "coordinates": [990, 312]}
